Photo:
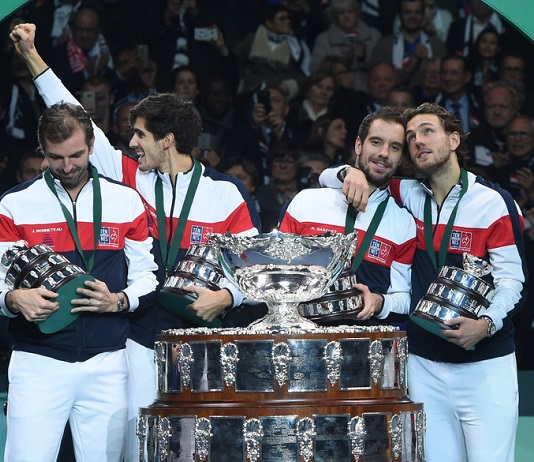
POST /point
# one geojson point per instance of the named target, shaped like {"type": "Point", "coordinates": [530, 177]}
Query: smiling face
{"type": "Point", "coordinates": [151, 154]}
{"type": "Point", "coordinates": [429, 146]}
{"type": "Point", "coordinates": [380, 153]}
{"type": "Point", "coordinates": [68, 160]}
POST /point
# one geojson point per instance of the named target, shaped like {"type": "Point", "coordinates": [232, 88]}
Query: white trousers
{"type": "Point", "coordinates": [141, 391]}
{"type": "Point", "coordinates": [471, 408]}
{"type": "Point", "coordinates": [44, 393]}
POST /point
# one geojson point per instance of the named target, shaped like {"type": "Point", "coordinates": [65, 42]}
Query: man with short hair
{"type": "Point", "coordinates": [166, 128]}
{"type": "Point", "coordinates": [455, 97]}
{"type": "Point", "coordinates": [410, 47]}
{"type": "Point", "coordinates": [386, 232]}
{"type": "Point", "coordinates": [82, 369]}
{"type": "Point", "coordinates": [486, 142]}
{"type": "Point", "coordinates": [476, 419]}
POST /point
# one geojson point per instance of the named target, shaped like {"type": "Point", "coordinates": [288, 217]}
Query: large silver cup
{"type": "Point", "coordinates": [455, 292]}
{"type": "Point", "coordinates": [283, 270]}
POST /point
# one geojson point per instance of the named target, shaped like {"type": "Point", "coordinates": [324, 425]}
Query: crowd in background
{"type": "Point", "coordinates": [283, 85]}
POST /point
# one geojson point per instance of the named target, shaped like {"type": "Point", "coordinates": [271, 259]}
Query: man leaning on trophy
{"type": "Point", "coordinates": [381, 265]}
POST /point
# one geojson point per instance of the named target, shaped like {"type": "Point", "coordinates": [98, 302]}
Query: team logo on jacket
{"type": "Point", "coordinates": [109, 236]}
{"type": "Point", "coordinates": [461, 240]}
{"type": "Point", "coordinates": [199, 234]}
{"type": "Point", "coordinates": [379, 251]}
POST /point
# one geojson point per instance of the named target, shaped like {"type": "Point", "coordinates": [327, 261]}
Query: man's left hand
{"type": "Point", "coordinates": [469, 332]}
{"type": "Point", "coordinates": [98, 298]}
{"type": "Point", "coordinates": [210, 303]}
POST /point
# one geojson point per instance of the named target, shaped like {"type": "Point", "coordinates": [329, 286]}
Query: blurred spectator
{"type": "Point", "coordinates": [437, 20]}
{"type": "Point", "coordinates": [400, 98]}
{"type": "Point", "coordinates": [183, 34]}
{"type": "Point", "coordinates": [135, 73]}
{"type": "Point", "coordinates": [328, 136]}
{"type": "Point", "coordinates": [350, 104]}
{"type": "Point", "coordinates": [316, 100]}
{"type": "Point", "coordinates": [513, 68]}
{"type": "Point", "coordinates": [243, 169]}
{"type": "Point", "coordinates": [255, 136]}
{"type": "Point", "coordinates": [85, 52]}
{"type": "Point", "coordinates": [379, 14]}
{"type": "Point", "coordinates": [23, 108]}
{"type": "Point", "coordinates": [273, 56]}
{"type": "Point", "coordinates": [408, 48]}
{"type": "Point", "coordinates": [347, 36]}
{"type": "Point", "coordinates": [282, 187]}
{"type": "Point", "coordinates": [306, 19]}
{"type": "Point", "coordinates": [463, 32]}
{"type": "Point", "coordinates": [455, 97]}
{"type": "Point", "coordinates": [382, 78]}
{"type": "Point", "coordinates": [97, 98]}
{"type": "Point", "coordinates": [501, 104]}
{"type": "Point", "coordinates": [185, 82]}
{"type": "Point", "coordinates": [30, 165]}
{"type": "Point", "coordinates": [121, 131]}
{"type": "Point", "coordinates": [310, 165]}
{"type": "Point", "coordinates": [429, 89]}
{"type": "Point", "coordinates": [217, 112]}
{"type": "Point", "coordinates": [515, 170]}
{"type": "Point", "coordinates": [483, 61]}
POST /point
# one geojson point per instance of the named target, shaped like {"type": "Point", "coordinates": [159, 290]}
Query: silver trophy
{"type": "Point", "coordinates": [39, 266]}
{"type": "Point", "coordinates": [455, 292]}
{"type": "Point", "coordinates": [283, 270]}
{"type": "Point", "coordinates": [341, 302]}
{"type": "Point", "coordinates": [200, 268]}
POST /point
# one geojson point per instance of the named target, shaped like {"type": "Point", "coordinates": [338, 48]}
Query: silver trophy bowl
{"type": "Point", "coordinates": [283, 270]}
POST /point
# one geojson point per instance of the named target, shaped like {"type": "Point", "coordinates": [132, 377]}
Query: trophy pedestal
{"type": "Point", "coordinates": [321, 394]}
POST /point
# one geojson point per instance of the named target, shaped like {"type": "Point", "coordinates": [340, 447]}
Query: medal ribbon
{"type": "Point", "coordinates": [429, 241]}
{"type": "Point", "coordinates": [369, 234]}
{"type": "Point", "coordinates": [97, 216]}
{"type": "Point", "coordinates": [169, 255]}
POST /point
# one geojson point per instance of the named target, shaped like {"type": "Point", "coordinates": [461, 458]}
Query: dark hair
{"type": "Point", "coordinates": [176, 71]}
{"type": "Point", "coordinates": [317, 77]}
{"type": "Point", "coordinates": [283, 149]}
{"type": "Point", "coordinates": [270, 10]}
{"type": "Point", "coordinates": [59, 122]}
{"type": "Point", "coordinates": [448, 121]}
{"type": "Point", "coordinates": [385, 113]}
{"type": "Point", "coordinates": [240, 161]}
{"type": "Point", "coordinates": [36, 153]}
{"type": "Point", "coordinates": [455, 57]}
{"type": "Point", "coordinates": [319, 129]}
{"type": "Point", "coordinates": [170, 113]}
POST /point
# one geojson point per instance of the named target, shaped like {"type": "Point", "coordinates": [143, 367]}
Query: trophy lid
{"type": "Point", "coordinates": [12, 252]}
{"type": "Point", "coordinates": [476, 266]}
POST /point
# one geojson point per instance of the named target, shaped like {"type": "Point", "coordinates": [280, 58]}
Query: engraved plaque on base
{"type": "Point", "coordinates": [331, 442]}
{"type": "Point", "coordinates": [355, 366]}
{"type": "Point", "coordinates": [254, 366]}
{"type": "Point", "coordinates": [206, 370]}
{"type": "Point", "coordinates": [279, 441]}
{"type": "Point", "coordinates": [307, 369]}
{"type": "Point", "coordinates": [182, 439]}
{"type": "Point", "coordinates": [227, 439]}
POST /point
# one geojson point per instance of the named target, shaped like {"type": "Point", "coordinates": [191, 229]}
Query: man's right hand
{"type": "Point", "coordinates": [33, 304]}
{"type": "Point", "coordinates": [356, 188]}
{"type": "Point", "coordinates": [23, 36]}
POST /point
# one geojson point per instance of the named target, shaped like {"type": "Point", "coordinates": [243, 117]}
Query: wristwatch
{"type": "Point", "coordinates": [342, 174]}
{"type": "Point", "coordinates": [491, 325]}
{"type": "Point", "coordinates": [121, 303]}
